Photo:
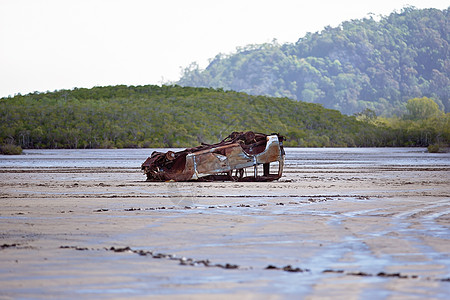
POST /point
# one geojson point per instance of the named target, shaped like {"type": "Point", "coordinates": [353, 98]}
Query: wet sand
{"type": "Point", "coordinates": [353, 231]}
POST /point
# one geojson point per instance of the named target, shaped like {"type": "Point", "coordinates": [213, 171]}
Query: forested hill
{"type": "Point", "coordinates": [368, 63]}
{"type": "Point", "coordinates": [175, 116]}
{"type": "Point", "coordinates": [167, 116]}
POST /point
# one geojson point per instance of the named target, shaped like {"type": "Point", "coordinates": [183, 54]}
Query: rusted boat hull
{"type": "Point", "coordinates": [235, 158]}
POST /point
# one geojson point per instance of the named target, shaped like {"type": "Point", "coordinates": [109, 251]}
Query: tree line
{"type": "Point", "coordinates": [174, 116]}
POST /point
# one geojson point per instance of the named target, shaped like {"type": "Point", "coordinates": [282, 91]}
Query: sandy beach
{"type": "Point", "coordinates": [340, 223]}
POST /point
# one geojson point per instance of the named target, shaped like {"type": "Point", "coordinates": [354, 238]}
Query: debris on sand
{"type": "Point", "coordinates": [226, 160]}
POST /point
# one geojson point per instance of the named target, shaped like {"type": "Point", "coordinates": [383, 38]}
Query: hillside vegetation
{"type": "Point", "coordinates": [174, 116]}
{"type": "Point", "coordinates": [361, 64]}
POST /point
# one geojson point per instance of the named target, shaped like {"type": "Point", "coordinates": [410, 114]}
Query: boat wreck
{"type": "Point", "coordinates": [235, 158]}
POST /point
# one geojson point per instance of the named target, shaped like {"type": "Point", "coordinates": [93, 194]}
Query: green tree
{"type": "Point", "coordinates": [422, 108]}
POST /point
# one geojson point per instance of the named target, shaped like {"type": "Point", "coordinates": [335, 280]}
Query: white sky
{"type": "Point", "coordinates": [62, 44]}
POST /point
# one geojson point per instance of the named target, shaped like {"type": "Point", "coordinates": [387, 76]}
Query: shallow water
{"type": "Point", "coordinates": [299, 157]}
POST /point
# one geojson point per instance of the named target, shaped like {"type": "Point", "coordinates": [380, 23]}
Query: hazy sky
{"type": "Point", "coordinates": [61, 44]}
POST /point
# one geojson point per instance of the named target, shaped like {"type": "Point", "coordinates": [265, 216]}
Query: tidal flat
{"type": "Point", "coordinates": [353, 223]}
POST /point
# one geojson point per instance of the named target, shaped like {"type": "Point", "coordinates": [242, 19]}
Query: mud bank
{"type": "Point", "coordinates": [348, 223]}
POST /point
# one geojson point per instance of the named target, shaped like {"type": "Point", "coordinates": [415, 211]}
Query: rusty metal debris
{"type": "Point", "coordinates": [235, 158]}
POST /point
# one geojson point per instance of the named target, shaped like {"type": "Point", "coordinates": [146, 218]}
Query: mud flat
{"type": "Point", "coordinates": [341, 223]}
